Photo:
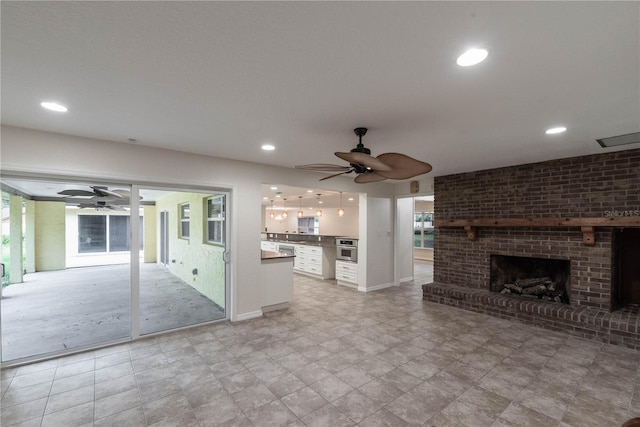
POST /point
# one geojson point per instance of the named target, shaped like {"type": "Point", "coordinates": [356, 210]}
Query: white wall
{"type": "Point", "coordinates": [377, 220]}
{"type": "Point", "coordinates": [404, 239]}
{"type": "Point", "coordinates": [29, 152]}
{"type": "Point", "coordinates": [425, 183]}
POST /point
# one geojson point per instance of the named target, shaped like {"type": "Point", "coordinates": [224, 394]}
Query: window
{"type": "Point", "coordinates": [215, 220]}
{"type": "Point", "coordinates": [423, 230]}
{"type": "Point", "coordinates": [308, 225]}
{"type": "Point", "coordinates": [92, 233]}
{"type": "Point", "coordinates": [105, 233]}
{"type": "Point", "coordinates": [120, 233]}
{"type": "Point", "coordinates": [184, 220]}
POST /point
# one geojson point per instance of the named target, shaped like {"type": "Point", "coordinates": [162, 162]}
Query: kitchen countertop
{"type": "Point", "coordinates": [274, 255]}
{"type": "Point", "coordinates": [293, 242]}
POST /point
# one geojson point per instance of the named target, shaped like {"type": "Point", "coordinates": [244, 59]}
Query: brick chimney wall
{"type": "Point", "coordinates": [578, 187]}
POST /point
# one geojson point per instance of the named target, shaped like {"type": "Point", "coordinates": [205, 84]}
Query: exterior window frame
{"type": "Point", "coordinates": [215, 222]}
{"type": "Point", "coordinates": [108, 235]}
{"type": "Point", "coordinates": [184, 217]}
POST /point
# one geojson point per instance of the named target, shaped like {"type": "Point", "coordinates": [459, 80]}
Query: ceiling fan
{"type": "Point", "coordinates": [98, 198]}
{"type": "Point", "coordinates": [369, 168]}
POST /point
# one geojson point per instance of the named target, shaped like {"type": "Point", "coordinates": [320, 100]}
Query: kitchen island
{"type": "Point", "coordinates": [315, 254]}
{"type": "Point", "coordinates": [276, 279]}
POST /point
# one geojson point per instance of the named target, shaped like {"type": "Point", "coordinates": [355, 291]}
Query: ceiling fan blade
{"type": "Point", "coordinates": [366, 177]}
{"type": "Point", "coordinates": [365, 160]}
{"type": "Point", "coordinates": [124, 193]}
{"type": "Point", "coordinates": [336, 174]}
{"type": "Point", "coordinates": [104, 192]}
{"type": "Point", "coordinates": [402, 166]}
{"type": "Point", "coordinates": [76, 193]}
{"type": "Point", "coordinates": [323, 167]}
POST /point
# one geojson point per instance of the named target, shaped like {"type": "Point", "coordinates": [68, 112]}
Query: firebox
{"type": "Point", "coordinates": [532, 278]}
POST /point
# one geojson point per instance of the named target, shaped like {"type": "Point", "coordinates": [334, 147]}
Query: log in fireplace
{"type": "Point", "coordinates": [529, 277]}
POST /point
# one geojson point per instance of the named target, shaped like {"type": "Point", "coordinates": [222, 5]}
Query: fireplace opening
{"type": "Point", "coordinates": [531, 278]}
{"type": "Point", "coordinates": [626, 272]}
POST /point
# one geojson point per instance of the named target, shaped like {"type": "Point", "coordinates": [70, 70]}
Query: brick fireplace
{"type": "Point", "coordinates": [594, 188]}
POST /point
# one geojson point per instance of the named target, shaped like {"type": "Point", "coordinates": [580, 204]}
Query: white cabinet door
{"type": "Point", "coordinates": [269, 246]}
{"type": "Point", "coordinates": [347, 273]}
{"type": "Point", "coordinates": [316, 261]}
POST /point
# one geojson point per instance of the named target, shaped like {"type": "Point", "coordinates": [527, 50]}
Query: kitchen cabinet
{"type": "Point", "coordinates": [266, 245]}
{"type": "Point", "coordinates": [347, 273]}
{"type": "Point", "coordinates": [316, 261]}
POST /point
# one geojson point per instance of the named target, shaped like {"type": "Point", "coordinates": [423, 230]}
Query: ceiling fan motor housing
{"type": "Point", "coordinates": [360, 148]}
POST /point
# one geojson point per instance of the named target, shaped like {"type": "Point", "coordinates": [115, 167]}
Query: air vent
{"type": "Point", "coordinates": [614, 141]}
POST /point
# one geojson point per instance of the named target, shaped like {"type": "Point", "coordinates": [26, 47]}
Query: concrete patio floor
{"type": "Point", "coordinates": [57, 310]}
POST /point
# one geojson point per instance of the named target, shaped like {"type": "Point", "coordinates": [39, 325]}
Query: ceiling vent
{"type": "Point", "coordinates": [615, 141]}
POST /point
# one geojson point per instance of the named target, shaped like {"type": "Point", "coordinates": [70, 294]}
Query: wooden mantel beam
{"type": "Point", "coordinates": [627, 221]}
{"type": "Point", "coordinates": [587, 225]}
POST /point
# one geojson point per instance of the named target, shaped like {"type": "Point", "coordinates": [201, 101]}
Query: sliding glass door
{"type": "Point", "coordinates": [88, 264]}
{"type": "Point", "coordinates": [69, 285]}
{"type": "Point", "coordinates": [184, 282]}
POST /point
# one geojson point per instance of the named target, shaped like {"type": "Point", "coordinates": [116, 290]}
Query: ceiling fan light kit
{"type": "Point", "coordinates": [369, 168]}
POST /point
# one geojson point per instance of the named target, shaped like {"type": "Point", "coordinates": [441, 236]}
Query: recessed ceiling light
{"type": "Point", "coordinates": [553, 131]}
{"type": "Point", "coordinates": [472, 57]}
{"type": "Point", "coordinates": [274, 188]}
{"type": "Point", "coordinates": [351, 199]}
{"type": "Point", "coordinates": [268, 147]}
{"type": "Point", "coordinates": [54, 106]}
{"type": "Point", "coordinates": [265, 198]}
{"type": "Point", "coordinates": [309, 191]}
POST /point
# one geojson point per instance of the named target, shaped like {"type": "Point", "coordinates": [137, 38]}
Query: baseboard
{"type": "Point", "coordinates": [274, 307]}
{"type": "Point", "coordinates": [247, 316]}
{"type": "Point", "coordinates": [406, 279]}
{"type": "Point", "coordinates": [347, 284]}
{"type": "Point", "coordinates": [375, 288]}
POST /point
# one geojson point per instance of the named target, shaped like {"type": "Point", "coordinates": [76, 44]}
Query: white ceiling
{"type": "Point", "coordinates": [222, 78]}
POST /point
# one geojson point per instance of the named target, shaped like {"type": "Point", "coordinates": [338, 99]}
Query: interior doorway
{"type": "Point", "coordinates": [423, 237]}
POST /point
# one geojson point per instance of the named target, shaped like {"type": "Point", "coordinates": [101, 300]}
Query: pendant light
{"type": "Point", "coordinates": [300, 212]}
{"type": "Point", "coordinates": [319, 211]}
{"type": "Point", "coordinates": [341, 211]}
{"type": "Point", "coordinates": [284, 203]}
{"type": "Point", "coordinates": [272, 215]}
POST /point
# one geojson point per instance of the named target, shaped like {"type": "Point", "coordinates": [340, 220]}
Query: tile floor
{"type": "Point", "coordinates": [335, 358]}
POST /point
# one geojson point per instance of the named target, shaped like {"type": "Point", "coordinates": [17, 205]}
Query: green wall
{"type": "Point", "coordinates": [149, 214]}
{"type": "Point", "coordinates": [185, 255]}
{"type": "Point", "coordinates": [15, 243]}
{"type": "Point", "coordinates": [49, 236]}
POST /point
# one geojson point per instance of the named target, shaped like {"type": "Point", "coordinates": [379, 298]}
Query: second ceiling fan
{"type": "Point", "coordinates": [369, 168]}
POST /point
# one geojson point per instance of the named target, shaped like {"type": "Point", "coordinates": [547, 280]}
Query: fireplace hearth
{"type": "Point", "coordinates": [530, 278]}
